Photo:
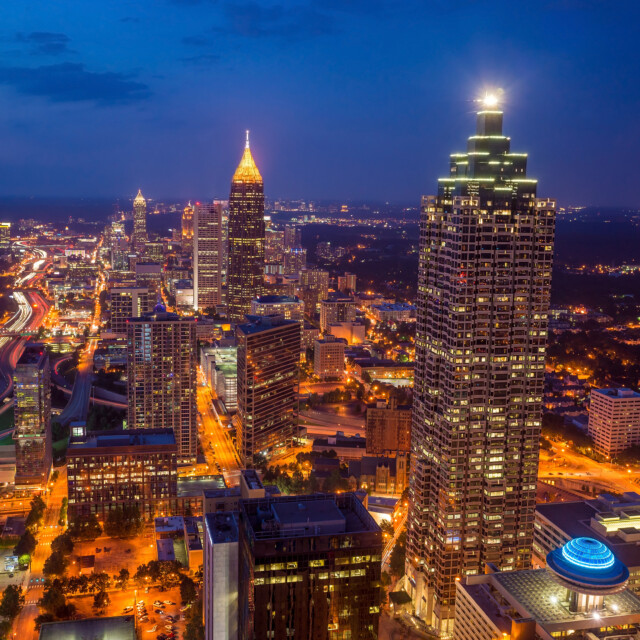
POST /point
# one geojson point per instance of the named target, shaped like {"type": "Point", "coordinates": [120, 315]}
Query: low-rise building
{"type": "Point", "coordinates": [346, 447]}
{"type": "Point", "coordinates": [381, 474]}
{"type": "Point", "coordinates": [291, 307]}
{"type": "Point", "coordinates": [394, 312]}
{"type": "Point", "coordinates": [352, 332]}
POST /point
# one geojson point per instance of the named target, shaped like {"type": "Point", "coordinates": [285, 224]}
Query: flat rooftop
{"type": "Point", "coordinates": [193, 487]}
{"type": "Point", "coordinates": [32, 354]}
{"type": "Point", "coordinates": [303, 516]}
{"type": "Point", "coordinates": [113, 628]}
{"type": "Point", "coordinates": [257, 324]}
{"type": "Point", "coordinates": [221, 527]}
{"type": "Point", "coordinates": [124, 438]}
{"type": "Point", "coordinates": [273, 299]}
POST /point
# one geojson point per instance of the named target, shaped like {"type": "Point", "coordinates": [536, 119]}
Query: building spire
{"type": "Point", "coordinates": [247, 171]}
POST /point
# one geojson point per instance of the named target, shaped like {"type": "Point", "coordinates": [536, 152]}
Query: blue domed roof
{"type": "Point", "coordinates": [587, 565]}
{"type": "Point", "coordinates": [159, 308]}
{"type": "Point", "coordinates": [588, 553]}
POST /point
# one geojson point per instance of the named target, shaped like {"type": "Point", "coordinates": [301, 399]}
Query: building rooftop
{"type": "Point", "coordinates": [124, 438]}
{"type": "Point", "coordinates": [618, 393]}
{"type": "Point", "coordinates": [307, 515]}
{"type": "Point", "coordinates": [273, 299]}
{"type": "Point", "coordinates": [32, 354]}
{"type": "Point", "coordinates": [256, 324]}
{"type": "Point", "coordinates": [112, 628]}
{"type": "Point", "coordinates": [193, 487]}
{"type": "Point", "coordinates": [221, 527]}
{"type": "Point", "coordinates": [612, 520]}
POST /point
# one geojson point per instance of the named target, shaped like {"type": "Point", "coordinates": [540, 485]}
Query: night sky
{"type": "Point", "coordinates": [346, 99]}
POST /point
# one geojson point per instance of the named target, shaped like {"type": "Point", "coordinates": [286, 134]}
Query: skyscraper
{"type": "Point", "coordinates": [32, 390]}
{"type": "Point", "coordinates": [187, 222]}
{"type": "Point", "coordinates": [139, 223]}
{"type": "Point", "coordinates": [245, 278]}
{"type": "Point", "coordinates": [161, 376]}
{"type": "Point", "coordinates": [268, 357]}
{"type": "Point", "coordinates": [486, 250]}
{"type": "Point", "coordinates": [207, 255]}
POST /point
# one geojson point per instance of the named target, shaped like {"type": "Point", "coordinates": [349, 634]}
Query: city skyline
{"type": "Point", "coordinates": [83, 104]}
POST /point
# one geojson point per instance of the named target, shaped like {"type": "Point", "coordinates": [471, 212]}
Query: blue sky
{"type": "Point", "coordinates": [348, 99]}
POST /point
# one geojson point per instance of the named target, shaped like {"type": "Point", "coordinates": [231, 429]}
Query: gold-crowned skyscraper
{"type": "Point", "coordinates": [245, 276]}
{"type": "Point", "coordinates": [484, 280]}
{"type": "Point", "coordinates": [139, 223]}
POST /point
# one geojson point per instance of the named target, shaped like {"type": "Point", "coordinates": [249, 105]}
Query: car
{"type": "Point", "coordinates": [160, 611]}
{"type": "Point", "coordinates": [146, 590]}
{"type": "Point", "coordinates": [127, 609]}
{"type": "Point", "coordinates": [156, 603]}
{"type": "Point", "coordinates": [169, 627]}
{"type": "Point", "coordinates": [11, 575]}
{"type": "Point", "coordinates": [168, 602]}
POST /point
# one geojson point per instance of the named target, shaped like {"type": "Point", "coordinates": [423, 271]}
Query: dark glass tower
{"type": "Point", "coordinates": [245, 278]}
{"type": "Point", "coordinates": [486, 250]}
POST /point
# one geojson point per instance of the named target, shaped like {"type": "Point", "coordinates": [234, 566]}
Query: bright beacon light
{"type": "Point", "coordinates": [490, 100]}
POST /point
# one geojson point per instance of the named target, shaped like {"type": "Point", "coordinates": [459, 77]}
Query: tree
{"type": "Point", "coordinates": [24, 560]}
{"type": "Point", "coordinates": [53, 598]}
{"type": "Point", "coordinates": [36, 514]}
{"type": "Point", "coordinates": [124, 522]}
{"type": "Point", "coordinates": [12, 601]}
{"type": "Point", "coordinates": [122, 580]}
{"type": "Point", "coordinates": [335, 482]}
{"type": "Point", "coordinates": [62, 544]}
{"type": "Point", "coordinates": [42, 618]}
{"type": "Point", "coordinates": [101, 601]}
{"type": "Point", "coordinates": [26, 544]}
{"type": "Point", "coordinates": [55, 564]}
{"type": "Point", "coordinates": [188, 591]}
{"type": "Point", "coordinates": [396, 561]}
{"type": "Point", "coordinates": [85, 527]}
{"type": "Point", "coordinates": [195, 627]}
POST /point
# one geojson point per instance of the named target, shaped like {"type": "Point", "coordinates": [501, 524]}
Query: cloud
{"type": "Point", "coordinates": [67, 82]}
{"type": "Point", "coordinates": [202, 60]}
{"type": "Point", "coordinates": [46, 43]}
{"type": "Point", "coordinates": [255, 20]}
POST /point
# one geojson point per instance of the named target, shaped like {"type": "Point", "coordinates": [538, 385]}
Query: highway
{"type": "Point", "coordinates": [78, 405]}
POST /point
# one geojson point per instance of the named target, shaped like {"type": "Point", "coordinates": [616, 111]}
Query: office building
{"type": "Point", "coordinates": [613, 520]}
{"type": "Point", "coordinates": [5, 234]}
{"type": "Point", "coordinates": [139, 223]}
{"type": "Point", "coordinates": [207, 256]}
{"type": "Point", "coordinates": [291, 307]}
{"type": "Point", "coordinates": [388, 427]}
{"type": "Point", "coordinates": [245, 271]}
{"type": "Point", "coordinates": [109, 628]}
{"type": "Point", "coordinates": [292, 236]}
{"type": "Point", "coordinates": [148, 274]}
{"type": "Point", "coordinates": [347, 283]}
{"type": "Point", "coordinates": [328, 358]}
{"type": "Point", "coordinates": [187, 225]}
{"type": "Point", "coordinates": [295, 260]}
{"type": "Point", "coordinates": [484, 278]}
{"type": "Point", "coordinates": [294, 567]}
{"type": "Point", "coordinates": [582, 594]}
{"type": "Point", "coordinates": [268, 357]}
{"type": "Point", "coordinates": [313, 287]}
{"type": "Point", "coordinates": [162, 376]}
{"type": "Point", "coordinates": [614, 420]}
{"type": "Point", "coordinates": [111, 469]}
{"type": "Point", "coordinates": [352, 332]}
{"type": "Point", "coordinates": [128, 302]}
{"type": "Point", "coordinates": [32, 410]}
{"type": "Point", "coordinates": [394, 312]}
{"type": "Point", "coordinates": [336, 309]}
{"type": "Point", "coordinates": [274, 247]}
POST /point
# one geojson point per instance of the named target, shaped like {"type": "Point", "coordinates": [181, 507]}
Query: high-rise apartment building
{"type": "Point", "coordinates": [292, 236]}
{"type": "Point", "coordinates": [486, 250]}
{"type": "Point", "coordinates": [268, 357]}
{"type": "Point", "coordinates": [614, 420]}
{"type": "Point", "coordinates": [328, 358]}
{"type": "Point", "coordinates": [336, 309]}
{"type": "Point", "coordinates": [139, 223]}
{"type": "Point", "coordinates": [313, 287]}
{"type": "Point", "coordinates": [5, 233]}
{"type": "Point", "coordinates": [347, 282]}
{"type": "Point", "coordinates": [128, 302]}
{"type": "Point", "coordinates": [245, 274]}
{"type": "Point", "coordinates": [295, 260]}
{"type": "Point", "coordinates": [207, 255]}
{"type": "Point", "coordinates": [294, 567]}
{"type": "Point", "coordinates": [32, 392]}
{"type": "Point", "coordinates": [187, 223]}
{"type": "Point", "coordinates": [162, 376]}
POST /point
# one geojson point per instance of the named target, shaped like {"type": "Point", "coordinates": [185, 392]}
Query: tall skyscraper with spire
{"type": "Point", "coordinates": [484, 279]}
{"type": "Point", "coordinates": [139, 223]}
{"type": "Point", "coordinates": [245, 276]}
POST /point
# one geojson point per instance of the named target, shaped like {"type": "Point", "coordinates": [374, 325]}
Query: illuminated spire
{"type": "Point", "coordinates": [247, 171]}
{"type": "Point", "coordinates": [139, 199]}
